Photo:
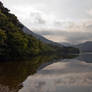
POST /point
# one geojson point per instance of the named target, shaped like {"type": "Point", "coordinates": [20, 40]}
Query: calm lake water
{"type": "Point", "coordinates": [50, 75]}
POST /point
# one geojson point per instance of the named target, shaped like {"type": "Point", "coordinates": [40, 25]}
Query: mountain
{"type": "Point", "coordinates": [66, 44]}
{"type": "Point", "coordinates": [85, 47]}
{"type": "Point", "coordinates": [18, 42]}
{"type": "Point", "coordinates": [14, 42]}
{"type": "Point", "coordinates": [39, 37]}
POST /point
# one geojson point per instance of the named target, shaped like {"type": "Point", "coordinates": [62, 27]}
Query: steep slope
{"type": "Point", "coordinates": [39, 37]}
{"type": "Point", "coordinates": [13, 41]}
{"type": "Point", "coordinates": [16, 41]}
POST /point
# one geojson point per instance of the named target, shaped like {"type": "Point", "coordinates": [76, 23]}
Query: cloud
{"type": "Point", "coordinates": [37, 17]}
{"type": "Point", "coordinates": [62, 76]}
{"type": "Point", "coordinates": [58, 20]}
{"type": "Point", "coordinates": [74, 33]}
{"type": "Point", "coordinates": [90, 12]}
{"type": "Point", "coordinates": [62, 9]}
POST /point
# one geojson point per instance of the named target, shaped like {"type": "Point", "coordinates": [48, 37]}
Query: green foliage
{"type": "Point", "coordinates": [16, 44]}
{"type": "Point", "coordinates": [2, 37]}
{"type": "Point", "coordinates": [13, 42]}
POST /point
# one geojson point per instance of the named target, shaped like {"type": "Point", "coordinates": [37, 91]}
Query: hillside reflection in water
{"type": "Point", "coordinates": [68, 75]}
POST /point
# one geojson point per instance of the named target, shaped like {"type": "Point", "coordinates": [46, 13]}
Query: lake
{"type": "Point", "coordinates": [48, 74]}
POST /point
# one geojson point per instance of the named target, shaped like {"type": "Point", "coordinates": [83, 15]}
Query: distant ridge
{"type": "Point", "coordinates": [85, 47]}
{"type": "Point", "coordinates": [66, 44]}
{"type": "Point", "coordinates": [39, 37]}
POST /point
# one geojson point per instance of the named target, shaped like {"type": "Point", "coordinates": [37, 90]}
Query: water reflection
{"type": "Point", "coordinates": [13, 73]}
{"type": "Point", "coordinates": [68, 75]}
{"type": "Point", "coordinates": [87, 57]}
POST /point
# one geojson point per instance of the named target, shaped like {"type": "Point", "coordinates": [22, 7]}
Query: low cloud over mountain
{"type": "Point", "coordinates": [58, 20]}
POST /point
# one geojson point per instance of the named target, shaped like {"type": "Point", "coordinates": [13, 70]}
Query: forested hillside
{"type": "Point", "coordinates": [14, 43]}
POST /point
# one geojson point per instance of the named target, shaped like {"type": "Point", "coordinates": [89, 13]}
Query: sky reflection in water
{"type": "Point", "coordinates": [69, 75]}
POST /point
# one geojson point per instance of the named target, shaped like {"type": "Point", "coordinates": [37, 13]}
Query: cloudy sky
{"type": "Point", "coordinates": [57, 20]}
